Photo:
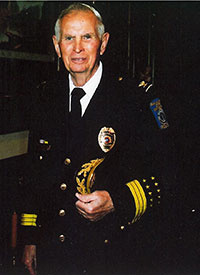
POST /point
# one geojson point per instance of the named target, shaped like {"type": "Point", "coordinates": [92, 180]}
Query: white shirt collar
{"type": "Point", "coordinates": [89, 88]}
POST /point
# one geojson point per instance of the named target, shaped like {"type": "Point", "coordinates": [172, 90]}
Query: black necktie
{"type": "Point", "coordinates": [77, 94]}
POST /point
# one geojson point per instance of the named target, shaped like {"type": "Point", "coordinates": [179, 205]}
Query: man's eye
{"type": "Point", "coordinates": [87, 36]}
{"type": "Point", "coordinates": [68, 38]}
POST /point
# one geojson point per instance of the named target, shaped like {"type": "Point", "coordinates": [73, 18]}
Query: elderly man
{"type": "Point", "coordinates": [89, 180]}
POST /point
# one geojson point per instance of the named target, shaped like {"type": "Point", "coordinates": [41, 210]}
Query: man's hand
{"type": "Point", "coordinates": [29, 258]}
{"type": "Point", "coordinates": [94, 206]}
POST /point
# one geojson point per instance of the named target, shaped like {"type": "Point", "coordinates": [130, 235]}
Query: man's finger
{"type": "Point", "coordinates": [35, 263]}
{"type": "Point", "coordinates": [85, 198]}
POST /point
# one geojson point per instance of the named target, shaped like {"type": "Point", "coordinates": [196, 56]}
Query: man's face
{"type": "Point", "coordinates": [79, 44]}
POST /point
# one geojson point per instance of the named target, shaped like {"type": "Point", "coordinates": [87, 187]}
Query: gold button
{"type": "Point", "coordinates": [67, 161]}
{"type": "Point", "coordinates": [105, 241]}
{"type": "Point", "coordinates": [63, 186]}
{"type": "Point", "coordinates": [61, 212]}
{"type": "Point", "coordinates": [122, 227]}
{"type": "Point", "coordinates": [62, 238]}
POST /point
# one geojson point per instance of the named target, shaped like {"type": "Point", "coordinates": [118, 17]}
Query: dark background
{"type": "Point", "coordinates": [164, 35]}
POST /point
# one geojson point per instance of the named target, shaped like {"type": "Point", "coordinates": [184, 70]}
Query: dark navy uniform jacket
{"type": "Point", "coordinates": [65, 159]}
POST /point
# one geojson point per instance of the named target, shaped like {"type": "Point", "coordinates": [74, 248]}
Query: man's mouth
{"type": "Point", "coordinates": [78, 60]}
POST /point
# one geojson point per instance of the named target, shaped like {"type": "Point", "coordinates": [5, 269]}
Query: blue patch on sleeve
{"type": "Point", "coordinates": [159, 114]}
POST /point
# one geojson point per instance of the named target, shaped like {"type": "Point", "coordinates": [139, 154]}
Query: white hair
{"type": "Point", "coordinates": [80, 7]}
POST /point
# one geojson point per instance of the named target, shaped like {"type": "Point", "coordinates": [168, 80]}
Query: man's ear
{"type": "Point", "coordinates": [104, 42]}
{"type": "Point", "coordinates": [56, 45]}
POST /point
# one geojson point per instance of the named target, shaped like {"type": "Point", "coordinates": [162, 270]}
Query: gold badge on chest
{"type": "Point", "coordinates": [106, 139]}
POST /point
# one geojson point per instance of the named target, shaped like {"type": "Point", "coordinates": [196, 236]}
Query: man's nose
{"type": "Point", "coordinates": [78, 46]}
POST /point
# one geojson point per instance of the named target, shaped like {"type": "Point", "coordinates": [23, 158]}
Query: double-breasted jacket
{"type": "Point", "coordinates": [105, 150]}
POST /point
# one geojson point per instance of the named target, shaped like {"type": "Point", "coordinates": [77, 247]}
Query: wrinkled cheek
{"type": "Point", "coordinates": [66, 62]}
{"type": "Point", "coordinates": [94, 60]}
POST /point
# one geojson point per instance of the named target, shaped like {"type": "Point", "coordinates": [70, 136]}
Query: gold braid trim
{"type": "Point", "coordinates": [87, 172]}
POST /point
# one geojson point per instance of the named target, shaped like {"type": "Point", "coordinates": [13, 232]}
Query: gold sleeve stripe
{"type": "Point", "coordinates": [28, 224]}
{"type": "Point", "coordinates": [137, 206]}
{"type": "Point", "coordinates": [28, 219]}
{"type": "Point", "coordinates": [28, 215]}
{"type": "Point", "coordinates": [144, 200]}
{"type": "Point", "coordinates": [141, 202]}
{"type": "Point", "coordinates": [139, 198]}
{"type": "Point", "coordinates": [140, 209]}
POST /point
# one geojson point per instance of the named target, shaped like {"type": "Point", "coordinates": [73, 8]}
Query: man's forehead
{"type": "Point", "coordinates": [87, 22]}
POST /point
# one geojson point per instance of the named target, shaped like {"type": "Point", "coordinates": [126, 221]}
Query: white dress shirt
{"type": "Point", "coordinates": [89, 88]}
